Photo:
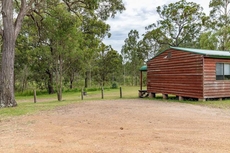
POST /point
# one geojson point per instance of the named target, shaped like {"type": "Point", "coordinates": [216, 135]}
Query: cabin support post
{"type": "Point", "coordinates": [165, 96]}
{"type": "Point", "coordinates": [152, 95]}
{"type": "Point", "coordinates": [220, 99]}
{"type": "Point", "coordinates": [202, 99]}
{"type": "Point", "coordinates": [181, 98]}
{"type": "Point", "coordinates": [139, 94]}
{"type": "Point", "coordinates": [141, 79]}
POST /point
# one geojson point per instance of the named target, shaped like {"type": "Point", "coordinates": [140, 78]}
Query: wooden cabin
{"type": "Point", "coordinates": [187, 72]}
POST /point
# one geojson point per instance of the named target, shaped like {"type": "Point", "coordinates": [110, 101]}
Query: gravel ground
{"type": "Point", "coordinates": [119, 126]}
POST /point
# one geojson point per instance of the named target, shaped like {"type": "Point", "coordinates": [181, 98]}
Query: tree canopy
{"type": "Point", "coordinates": [57, 45]}
{"type": "Point", "coordinates": [179, 23]}
{"type": "Point", "coordinates": [50, 13]}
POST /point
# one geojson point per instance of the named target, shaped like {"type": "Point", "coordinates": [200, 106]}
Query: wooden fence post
{"type": "Point", "coordinates": [35, 96]}
{"type": "Point", "coordinates": [120, 92]}
{"type": "Point", "coordinates": [102, 93]}
{"type": "Point", "coordinates": [81, 93]}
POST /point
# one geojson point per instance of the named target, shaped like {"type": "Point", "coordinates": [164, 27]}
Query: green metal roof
{"type": "Point", "coordinates": [208, 53]}
{"type": "Point", "coordinates": [143, 68]}
{"type": "Point", "coordinates": [205, 52]}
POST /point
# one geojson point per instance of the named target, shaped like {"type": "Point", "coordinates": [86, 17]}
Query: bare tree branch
{"type": "Point", "coordinates": [69, 5]}
{"type": "Point", "coordinates": [24, 8]}
{"type": "Point", "coordinates": [37, 22]}
{"type": "Point", "coordinates": [21, 15]}
{"type": "Point", "coordinates": [1, 32]}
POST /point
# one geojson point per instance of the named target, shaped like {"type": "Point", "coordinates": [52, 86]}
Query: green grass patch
{"type": "Point", "coordinates": [46, 101]}
{"type": "Point", "coordinates": [30, 108]}
{"type": "Point", "coordinates": [225, 104]}
{"type": "Point", "coordinates": [49, 102]}
{"type": "Point", "coordinates": [213, 103]}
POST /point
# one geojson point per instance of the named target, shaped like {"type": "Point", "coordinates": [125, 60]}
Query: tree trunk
{"type": "Point", "coordinates": [59, 78]}
{"type": "Point", "coordinates": [90, 77]}
{"type": "Point", "coordinates": [86, 79]}
{"type": "Point", "coordinates": [132, 80]}
{"type": "Point", "coordinates": [24, 78]}
{"type": "Point", "coordinates": [7, 98]}
{"type": "Point", "coordinates": [71, 80]}
{"type": "Point", "coordinates": [71, 84]}
{"type": "Point", "coordinates": [50, 82]}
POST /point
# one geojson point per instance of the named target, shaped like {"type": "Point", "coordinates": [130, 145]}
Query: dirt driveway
{"type": "Point", "coordinates": [119, 126]}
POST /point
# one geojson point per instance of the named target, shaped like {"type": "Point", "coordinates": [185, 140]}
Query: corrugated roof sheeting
{"type": "Point", "coordinates": [207, 53]}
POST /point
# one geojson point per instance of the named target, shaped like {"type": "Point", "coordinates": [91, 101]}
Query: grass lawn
{"type": "Point", "coordinates": [224, 104]}
{"type": "Point", "coordinates": [48, 102]}
{"type": "Point", "coordinates": [26, 104]}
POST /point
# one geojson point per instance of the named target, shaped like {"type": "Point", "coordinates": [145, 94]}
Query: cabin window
{"type": "Point", "coordinates": [222, 71]}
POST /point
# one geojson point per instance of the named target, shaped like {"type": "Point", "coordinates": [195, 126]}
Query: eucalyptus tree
{"type": "Point", "coordinates": [74, 67]}
{"type": "Point", "coordinates": [12, 18]}
{"type": "Point", "coordinates": [22, 60]}
{"type": "Point", "coordinates": [26, 46]}
{"type": "Point", "coordinates": [93, 31]}
{"type": "Point", "coordinates": [63, 37]}
{"type": "Point", "coordinates": [9, 32]}
{"type": "Point", "coordinates": [208, 40]}
{"type": "Point", "coordinates": [132, 54]}
{"type": "Point", "coordinates": [180, 22]}
{"type": "Point", "coordinates": [149, 46]}
{"type": "Point", "coordinates": [109, 64]}
{"type": "Point", "coordinates": [220, 19]}
{"type": "Point", "coordinates": [53, 33]}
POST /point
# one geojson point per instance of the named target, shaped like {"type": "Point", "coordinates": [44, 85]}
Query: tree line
{"type": "Point", "coordinates": [48, 44]}
{"type": "Point", "coordinates": [54, 45]}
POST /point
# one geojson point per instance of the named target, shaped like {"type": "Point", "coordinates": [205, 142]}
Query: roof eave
{"type": "Point", "coordinates": [217, 56]}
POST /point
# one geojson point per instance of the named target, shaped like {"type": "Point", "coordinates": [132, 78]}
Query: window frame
{"type": "Point", "coordinates": [223, 76]}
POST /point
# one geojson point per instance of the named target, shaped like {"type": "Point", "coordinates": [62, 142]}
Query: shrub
{"type": "Point", "coordinates": [114, 86]}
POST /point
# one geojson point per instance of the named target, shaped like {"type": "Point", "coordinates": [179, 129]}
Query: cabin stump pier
{"type": "Point", "coordinates": [181, 98]}
{"type": "Point", "coordinates": [152, 95]}
{"type": "Point", "coordinates": [165, 96]}
{"type": "Point", "coordinates": [201, 99]}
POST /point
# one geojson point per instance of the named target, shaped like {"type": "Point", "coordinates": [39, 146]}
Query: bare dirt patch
{"type": "Point", "coordinates": [119, 126]}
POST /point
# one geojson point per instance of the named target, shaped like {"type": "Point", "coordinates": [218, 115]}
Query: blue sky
{"type": "Point", "coordinates": [138, 15]}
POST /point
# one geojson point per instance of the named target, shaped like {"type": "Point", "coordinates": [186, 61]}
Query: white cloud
{"type": "Point", "coordinates": [138, 15]}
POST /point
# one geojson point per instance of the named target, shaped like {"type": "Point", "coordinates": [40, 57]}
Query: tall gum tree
{"type": "Point", "coordinates": [179, 23]}
{"type": "Point", "coordinates": [11, 28]}
{"type": "Point", "coordinates": [132, 54]}
{"type": "Point", "coordinates": [220, 20]}
{"type": "Point", "coordinates": [9, 33]}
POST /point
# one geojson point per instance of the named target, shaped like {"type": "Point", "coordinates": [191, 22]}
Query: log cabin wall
{"type": "Point", "coordinates": [215, 88]}
{"type": "Point", "coordinates": [176, 72]}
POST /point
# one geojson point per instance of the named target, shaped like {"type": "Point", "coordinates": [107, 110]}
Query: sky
{"type": "Point", "coordinates": [138, 15]}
